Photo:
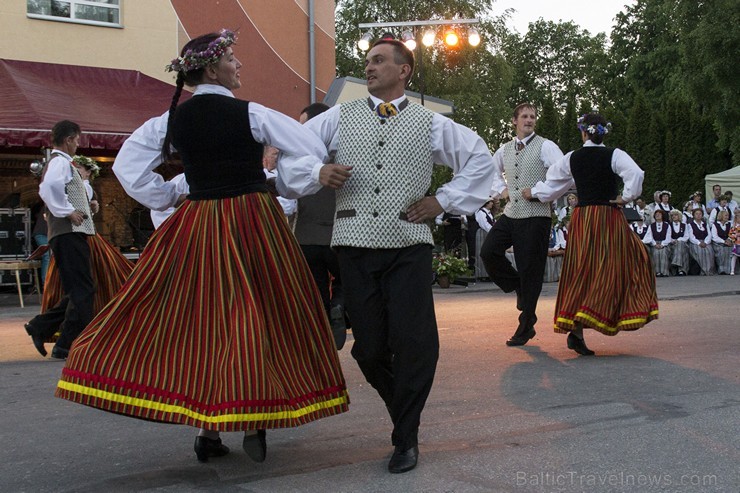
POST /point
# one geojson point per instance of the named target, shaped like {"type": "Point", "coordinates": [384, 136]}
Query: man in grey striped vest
{"type": "Point", "coordinates": [524, 225]}
{"type": "Point", "coordinates": [70, 223]}
{"type": "Point", "coordinates": [386, 148]}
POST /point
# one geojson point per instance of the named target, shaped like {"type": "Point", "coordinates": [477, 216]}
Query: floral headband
{"type": "Point", "coordinates": [87, 163]}
{"type": "Point", "coordinates": [593, 129]}
{"type": "Point", "coordinates": [194, 60]}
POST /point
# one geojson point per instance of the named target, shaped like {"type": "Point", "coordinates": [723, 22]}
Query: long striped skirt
{"type": "Point", "coordinates": [607, 281]}
{"type": "Point", "coordinates": [722, 256]}
{"type": "Point", "coordinates": [680, 256]}
{"type": "Point", "coordinates": [661, 258]}
{"type": "Point", "coordinates": [110, 269]}
{"type": "Point", "coordinates": [220, 326]}
{"type": "Point", "coordinates": [704, 257]}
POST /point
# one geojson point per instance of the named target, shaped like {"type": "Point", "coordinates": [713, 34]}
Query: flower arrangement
{"type": "Point", "coordinates": [448, 265]}
{"type": "Point", "coordinates": [89, 164]}
{"type": "Point", "coordinates": [593, 129]}
{"type": "Point", "coordinates": [193, 60]}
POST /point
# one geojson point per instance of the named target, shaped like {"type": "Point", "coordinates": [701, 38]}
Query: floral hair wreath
{"type": "Point", "coordinates": [593, 129]}
{"type": "Point", "coordinates": [88, 163]}
{"type": "Point", "coordinates": [194, 60]}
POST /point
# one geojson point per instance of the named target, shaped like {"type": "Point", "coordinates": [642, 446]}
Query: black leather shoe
{"type": "Point", "coordinates": [578, 345]}
{"type": "Point", "coordinates": [207, 447]}
{"type": "Point", "coordinates": [403, 460]}
{"type": "Point", "coordinates": [255, 445]}
{"type": "Point", "coordinates": [338, 326]}
{"type": "Point", "coordinates": [522, 339]}
{"type": "Point", "coordinates": [38, 341]}
{"type": "Point", "coordinates": [59, 352]}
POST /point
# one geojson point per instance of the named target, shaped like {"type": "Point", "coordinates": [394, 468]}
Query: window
{"type": "Point", "coordinates": [97, 12]}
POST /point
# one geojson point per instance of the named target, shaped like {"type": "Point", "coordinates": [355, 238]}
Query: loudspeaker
{"type": "Point", "coordinates": [15, 232]}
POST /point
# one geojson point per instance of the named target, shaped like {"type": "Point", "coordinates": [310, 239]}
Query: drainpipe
{"type": "Point", "coordinates": [312, 51]}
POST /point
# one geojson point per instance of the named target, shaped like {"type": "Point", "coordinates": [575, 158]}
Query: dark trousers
{"type": "Point", "coordinates": [389, 300]}
{"type": "Point", "coordinates": [322, 261]}
{"type": "Point", "coordinates": [529, 237]}
{"type": "Point", "coordinates": [470, 240]}
{"type": "Point", "coordinates": [75, 310]}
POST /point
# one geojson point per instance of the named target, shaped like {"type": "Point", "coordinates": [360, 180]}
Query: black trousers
{"type": "Point", "coordinates": [75, 310]}
{"type": "Point", "coordinates": [529, 237]}
{"type": "Point", "coordinates": [389, 300]}
{"type": "Point", "coordinates": [322, 261]}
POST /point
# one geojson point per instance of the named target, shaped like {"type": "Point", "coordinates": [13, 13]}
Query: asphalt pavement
{"type": "Point", "coordinates": [656, 410]}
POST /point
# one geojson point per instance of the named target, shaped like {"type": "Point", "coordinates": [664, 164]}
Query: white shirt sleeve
{"type": "Point", "coordinates": [557, 181]}
{"type": "Point", "coordinates": [52, 188]}
{"type": "Point", "coordinates": [499, 182]}
{"type": "Point", "coordinates": [181, 186]}
{"type": "Point", "coordinates": [299, 176]}
{"type": "Point", "coordinates": [692, 239]}
{"type": "Point", "coordinates": [550, 153]}
{"type": "Point", "coordinates": [89, 189]}
{"type": "Point", "coordinates": [648, 239]}
{"type": "Point", "coordinates": [715, 236]}
{"type": "Point", "coordinates": [463, 150]}
{"type": "Point", "coordinates": [630, 172]}
{"type": "Point", "coordinates": [135, 163]}
{"type": "Point", "coordinates": [482, 219]}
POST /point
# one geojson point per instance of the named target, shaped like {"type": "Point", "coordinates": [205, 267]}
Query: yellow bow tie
{"type": "Point", "coordinates": [386, 109]}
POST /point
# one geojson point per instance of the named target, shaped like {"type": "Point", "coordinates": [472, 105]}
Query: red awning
{"type": "Point", "coordinates": [108, 104]}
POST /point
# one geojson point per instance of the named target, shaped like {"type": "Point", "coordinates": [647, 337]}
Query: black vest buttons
{"type": "Point", "coordinates": [375, 214]}
{"type": "Point", "coordinates": [377, 189]}
{"type": "Point", "coordinates": [379, 166]}
{"type": "Point", "coordinates": [381, 143]}
{"type": "Point", "coordinates": [382, 121]}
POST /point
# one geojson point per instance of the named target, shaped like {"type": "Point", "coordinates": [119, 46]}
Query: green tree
{"type": "Point", "coordinates": [547, 123]}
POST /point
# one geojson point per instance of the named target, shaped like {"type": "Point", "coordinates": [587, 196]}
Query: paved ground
{"type": "Point", "coordinates": [656, 410]}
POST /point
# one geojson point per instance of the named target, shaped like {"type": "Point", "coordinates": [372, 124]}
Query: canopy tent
{"type": "Point", "coordinates": [729, 180]}
{"type": "Point", "coordinates": [108, 104]}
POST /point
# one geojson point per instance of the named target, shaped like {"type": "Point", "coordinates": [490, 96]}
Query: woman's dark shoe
{"type": "Point", "coordinates": [255, 445]}
{"type": "Point", "coordinates": [206, 447]}
{"type": "Point", "coordinates": [578, 345]}
{"type": "Point", "coordinates": [38, 341]}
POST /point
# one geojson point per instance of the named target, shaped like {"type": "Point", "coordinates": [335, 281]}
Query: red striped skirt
{"type": "Point", "coordinates": [110, 269]}
{"type": "Point", "coordinates": [219, 326]}
{"type": "Point", "coordinates": [607, 282]}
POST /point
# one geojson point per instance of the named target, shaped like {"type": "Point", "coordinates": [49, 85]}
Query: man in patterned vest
{"type": "Point", "coordinates": [386, 148]}
{"type": "Point", "coordinates": [70, 223]}
{"type": "Point", "coordinates": [524, 225]}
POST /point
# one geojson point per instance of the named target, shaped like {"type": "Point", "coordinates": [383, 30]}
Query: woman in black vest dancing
{"type": "Point", "coordinates": [220, 325]}
{"type": "Point", "coordinates": [607, 282]}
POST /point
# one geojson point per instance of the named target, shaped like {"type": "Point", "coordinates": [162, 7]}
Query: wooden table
{"type": "Point", "coordinates": [18, 266]}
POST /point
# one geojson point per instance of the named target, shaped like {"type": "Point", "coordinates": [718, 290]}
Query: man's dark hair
{"type": "Point", "coordinates": [314, 109]}
{"type": "Point", "coordinates": [62, 130]}
{"type": "Point", "coordinates": [401, 54]}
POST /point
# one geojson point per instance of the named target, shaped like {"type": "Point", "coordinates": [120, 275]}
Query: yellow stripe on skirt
{"type": "Point", "coordinates": [607, 282]}
{"type": "Point", "coordinates": [219, 326]}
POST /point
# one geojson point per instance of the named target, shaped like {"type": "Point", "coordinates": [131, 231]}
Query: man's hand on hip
{"type": "Point", "coordinates": [424, 209]}
{"type": "Point", "coordinates": [334, 175]}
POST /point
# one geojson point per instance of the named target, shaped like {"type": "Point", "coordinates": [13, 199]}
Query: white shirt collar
{"type": "Point", "coordinates": [528, 138]}
{"type": "Point", "coordinates": [377, 101]}
{"type": "Point", "coordinates": [212, 89]}
{"type": "Point", "coordinates": [62, 153]}
{"type": "Point", "coordinates": [588, 143]}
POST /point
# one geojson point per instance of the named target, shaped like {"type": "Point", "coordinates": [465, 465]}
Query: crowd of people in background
{"type": "Point", "coordinates": [692, 238]}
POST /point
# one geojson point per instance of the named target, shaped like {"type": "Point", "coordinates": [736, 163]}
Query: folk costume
{"type": "Point", "coordinates": [722, 247]}
{"type": "Point", "coordinates": [63, 191]}
{"type": "Point", "coordinates": [658, 238]}
{"type": "Point", "coordinates": [524, 225]}
{"type": "Point", "coordinates": [607, 282]}
{"type": "Point", "coordinates": [700, 246]}
{"type": "Point", "coordinates": [384, 259]}
{"type": "Point", "coordinates": [679, 246]}
{"type": "Point", "coordinates": [219, 325]}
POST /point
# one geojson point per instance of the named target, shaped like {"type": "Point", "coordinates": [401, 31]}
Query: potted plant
{"type": "Point", "coordinates": [448, 267]}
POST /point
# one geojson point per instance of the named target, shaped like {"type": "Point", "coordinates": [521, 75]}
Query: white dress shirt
{"type": "Point", "coordinates": [549, 155]}
{"type": "Point", "coordinates": [52, 188]}
{"type": "Point", "coordinates": [452, 144]}
{"type": "Point", "coordinates": [650, 240]}
{"type": "Point", "coordinates": [141, 152]}
{"type": "Point", "coordinates": [481, 217]}
{"type": "Point", "coordinates": [560, 179]}
{"type": "Point", "coordinates": [715, 236]}
{"type": "Point", "coordinates": [676, 227]}
{"type": "Point", "coordinates": [702, 227]}
{"type": "Point", "coordinates": [181, 187]}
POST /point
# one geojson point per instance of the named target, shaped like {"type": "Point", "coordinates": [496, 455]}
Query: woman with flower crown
{"type": "Point", "coordinates": [607, 281]}
{"type": "Point", "coordinates": [220, 325]}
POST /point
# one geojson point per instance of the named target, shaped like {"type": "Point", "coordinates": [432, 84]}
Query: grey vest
{"type": "Point", "coordinates": [392, 169]}
{"type": "Point", "coordinates": [77, 196]}
{"type": "Point", "coordinates": [315, 218]}
{"type": "Point", "coordinates": [523, 170]}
